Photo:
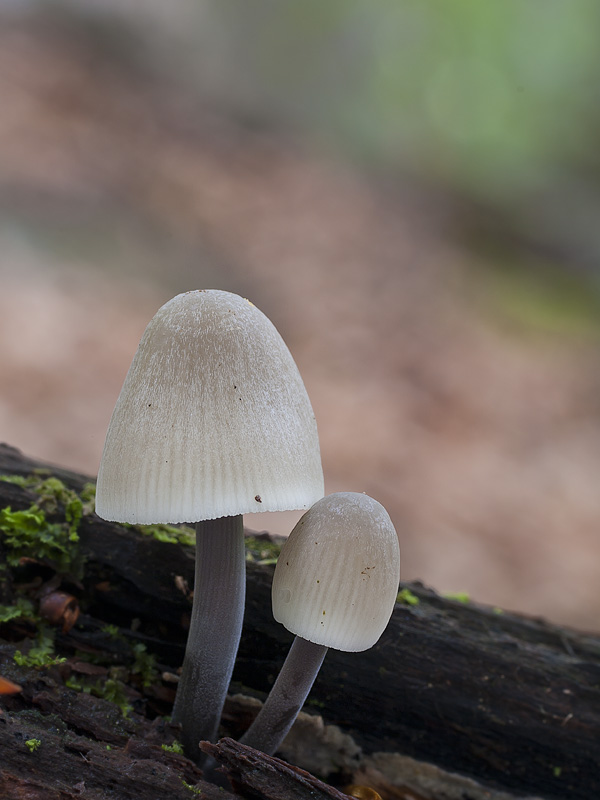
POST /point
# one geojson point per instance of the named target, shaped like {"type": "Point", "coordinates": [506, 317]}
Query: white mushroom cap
{"type": "Point", "coordinates": [337, 576]}
{"type": "Point", "coordinates": [213, 419]}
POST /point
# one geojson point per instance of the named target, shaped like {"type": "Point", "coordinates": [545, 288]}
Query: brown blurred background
{"type": "Point", "coordinates": [410, 193]}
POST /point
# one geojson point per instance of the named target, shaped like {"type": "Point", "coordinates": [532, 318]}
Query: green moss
{"type": "Point", "coordinates": [144, 665]}
{"type": "Point", "coordinates": [29, 534]}
{"type": "Point", "coordinates": [22, 608]}
{"type": "Point", "coordinates": [114, 691]}
{"type": "Point", "coordinates": [78, 686]}
{"type": "Point", "coordinates": [33, 744]}
{"type": "Point", "coordinates": [110, 689]}
{"type": "Point", "coordinates": [261, 551]}
{"type": "Point", "coordinates": [193, 789]}
{"type": "Point", "coordinates": [460, 597]}
{"type": "Point", "coordinates": [141, 665]}
{"type": "Point", "coordinates": [9, 612]}
{"type": "Point", "coordinates": [53, 493]}
{"type": "Point", "coordinates": [167, 533]}
{"type": "Point", "coordinates": [88, 498]}
{"type": "Point", "coordinates": [176, 747]}
{"type": "Point", "coordinates": [41, 654]}
{"type": "Point", "coordinates": [112, 631]}
{"type": "Point", "coordinates": [258, 550]}
{"type": "Point", "coordinates": [17, 480]}
{"type": "Point", "coordinates": [407, 597]}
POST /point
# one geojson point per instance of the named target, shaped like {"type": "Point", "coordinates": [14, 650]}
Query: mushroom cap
{"type": "Point", "coordinates": [337, 576]}
{"type": "Point", "coordinates": [213, 419]}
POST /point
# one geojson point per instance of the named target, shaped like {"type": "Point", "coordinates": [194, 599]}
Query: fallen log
{"type": "Point", "coordinates": [491, 700]}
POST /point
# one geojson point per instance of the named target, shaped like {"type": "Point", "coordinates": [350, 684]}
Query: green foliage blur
{"type": "Point", "coordinates": [491, 96]}
{"type": "Point", "coordinates": [489, 106]}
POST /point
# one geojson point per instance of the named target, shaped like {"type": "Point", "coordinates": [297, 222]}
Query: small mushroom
{"type": "Point", "coordinates": [335, 585]}
{"type": "Point", "coordinates": [213, 421]}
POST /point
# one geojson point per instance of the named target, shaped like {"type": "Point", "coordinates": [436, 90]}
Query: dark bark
{"type": "Point", "coordinates": [86, 749]}
{"type": "Point", "coordinates": [511, 702]}
{"type": "Point", "coordinates": [255, 774]}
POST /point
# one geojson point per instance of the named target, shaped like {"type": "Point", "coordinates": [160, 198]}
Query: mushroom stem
{"type": "Point", "coordinates": [215, 630]}
{"type": "Point", "coordinates": [287, 696]}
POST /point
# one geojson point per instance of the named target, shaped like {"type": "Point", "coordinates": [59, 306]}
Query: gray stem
{"type": "Point", "coordinates": [287, 696]}
{"type": "Point", "coordinates": [215, 630]}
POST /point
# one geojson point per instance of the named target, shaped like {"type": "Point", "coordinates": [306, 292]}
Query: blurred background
{"type": "Point", "coordinates": [409, 190]}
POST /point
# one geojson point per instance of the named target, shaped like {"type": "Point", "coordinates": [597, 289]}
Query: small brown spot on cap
{"type": "Point", "coordinates": [258, 498]}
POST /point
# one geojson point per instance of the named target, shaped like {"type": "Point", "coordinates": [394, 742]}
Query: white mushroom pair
{"type": "Point", "coordinates": [213, 422]}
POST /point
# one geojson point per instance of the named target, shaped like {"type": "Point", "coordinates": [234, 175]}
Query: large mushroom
{"type": "Point", "coordinates": [213, 421]}
{"type": "Point", "coordinates": [335, 585]}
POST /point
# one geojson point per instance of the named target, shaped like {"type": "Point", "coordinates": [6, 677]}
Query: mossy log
{"type": "Point", "coordinates": [496, 704]}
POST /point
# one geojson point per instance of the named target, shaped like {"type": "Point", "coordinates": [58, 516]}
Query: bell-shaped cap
{"type": "Point", "coordinates": [337, 576]}
{"type": "Point", "coordinates": [213, 419]}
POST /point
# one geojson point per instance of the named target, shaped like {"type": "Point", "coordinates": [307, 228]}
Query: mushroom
{"type": "Point", "coordinates": [335, 585]}
{"type": "Point", "coordinates": [213, 421]}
